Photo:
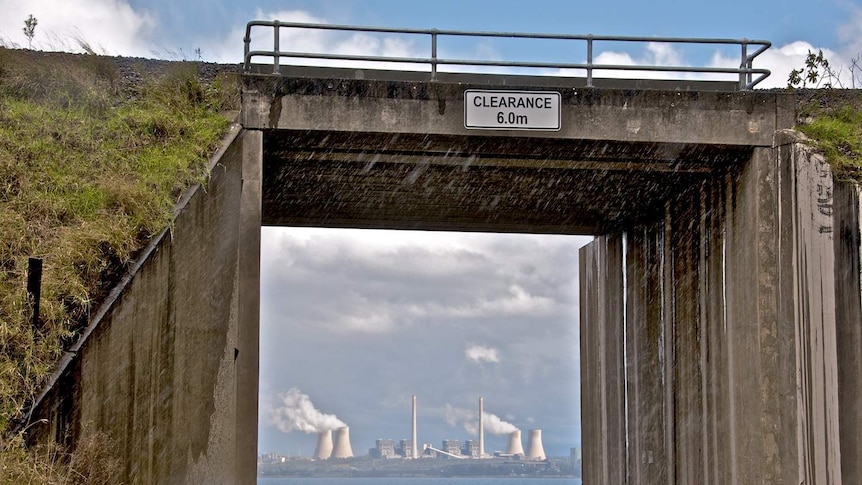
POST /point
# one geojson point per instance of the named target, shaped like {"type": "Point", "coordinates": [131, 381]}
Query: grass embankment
{"type": "Point", "coordinates": [91, 167]}
{"type": "Point", "coordinates": [833, 120]}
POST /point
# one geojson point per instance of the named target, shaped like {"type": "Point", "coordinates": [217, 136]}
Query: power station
{"type": "Point", "coordinates": [335, 443]}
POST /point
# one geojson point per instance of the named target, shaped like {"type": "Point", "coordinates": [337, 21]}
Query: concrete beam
{"type": "Point", "coordinates": [437, 108]}
{"type": "Point", "coordinates": [475, 184]}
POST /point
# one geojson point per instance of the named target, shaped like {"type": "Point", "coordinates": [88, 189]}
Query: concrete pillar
{"type": "Point", "coordinates": [684, 326]}
{"type": "Point", "coordinates": [714, 348]}
{"type": "Point", "coordinates": [647, 457]}
{"type": "Point", "coordinates": [247, 355]}
{"type": "Point", "coordinates": [603, 411]}
{"type": "Point", "coordinates": [743, 331]}
{"type": "Point", "coordinates": [761, 333]}
{"type": "Point", "coordinates": [807, 297]}
{"type": "Point", "coordinates": [848, 319]}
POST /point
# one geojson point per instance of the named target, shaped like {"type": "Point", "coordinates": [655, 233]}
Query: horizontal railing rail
{"type": "Point", "coordinates": [748, 75]}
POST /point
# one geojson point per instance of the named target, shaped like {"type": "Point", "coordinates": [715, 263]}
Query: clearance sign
{"type": "Point", "coordinates": [511, 110]}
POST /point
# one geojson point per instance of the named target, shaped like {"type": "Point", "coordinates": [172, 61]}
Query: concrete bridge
{"type": "Point", "coordinates": [721, 311]}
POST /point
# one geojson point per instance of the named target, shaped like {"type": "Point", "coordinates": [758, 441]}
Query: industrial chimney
{"type": "Point", "coordinates": [515, 447]}
{"type": "Point", "coordinates": [414, 453]}
{"type": "Point", "coordinates": [535, 450]}
{"type": "Point", "coordinates": [481, 427]}
{"type": "Point", "coordinates": [342, 449]}
{"type": "Point", "coordinates": [324, 445]}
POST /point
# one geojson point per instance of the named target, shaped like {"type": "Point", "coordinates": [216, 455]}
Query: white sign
{"type": "Point", "coordinates": [511, 110]}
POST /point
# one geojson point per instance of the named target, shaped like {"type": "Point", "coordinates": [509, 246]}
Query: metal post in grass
{"type": "Point", "coordinates": [34, 288]}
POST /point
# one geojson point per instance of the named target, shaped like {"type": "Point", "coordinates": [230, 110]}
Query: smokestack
{"type": "Point", "coordinates": [515, 447]}
{"type": "Point", "coordinates": [481, 427]}
{"type": "Point", "coordinates": [414, 453]}
{"type": "Point", "coordinates": [341, 448]}
{"type": "Point", "coordinates": [324, 445]}
{"type": "Point", "coordinates": [535, 450]}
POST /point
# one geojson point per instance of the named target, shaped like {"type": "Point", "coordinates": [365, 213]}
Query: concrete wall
{"type": "Point", "coordinates": [742, 331]}
{"type": "Point", "coordinates": [168, 368]}
{"type": "Point", "coordinates": [848, 319]}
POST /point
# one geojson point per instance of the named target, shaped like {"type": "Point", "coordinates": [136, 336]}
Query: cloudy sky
{"type": "Point", "coordinates": [177, 29]}
{"type": "Point", "coordinates": [358, 321]}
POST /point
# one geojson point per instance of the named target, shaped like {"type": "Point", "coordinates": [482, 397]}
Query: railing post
{"type": "Point", "coordinates": [590, 60]}
{"type": "Point", "coordinates": [434, 54]}
{"type": "Point", "coordinates": [743, 64]}
{"type": "Point", "coordinates": [246, 47]}
{"type": "Point", "coordinates": [276, 48]}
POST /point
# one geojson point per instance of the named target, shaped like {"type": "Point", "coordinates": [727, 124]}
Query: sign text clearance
{"type": "Point", "coordinates": [511, 110]}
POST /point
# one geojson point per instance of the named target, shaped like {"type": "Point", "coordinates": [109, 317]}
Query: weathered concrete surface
{"type": "Point", "coordinates": [508, 184]}
{"type": "Point", "coordinates": [602, 353]}
{"type": "Point", "coordinates": [394, 154]}
{"type": "Point", "coordinates": [168, 368]}
{"type": "Point", "coordinates": [742, 330]}
{"type": "Point", "coordinates": [848, 319]}
{"type": "Point", "coordinates": [322, 101]}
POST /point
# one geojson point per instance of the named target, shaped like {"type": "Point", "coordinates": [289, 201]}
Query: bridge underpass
{"type": "Point", "coordinates": [469, 183]}
{"type": "Point", "coordinates": [708, 351]}
{"type": "Point", "coordinates": [720, 340]}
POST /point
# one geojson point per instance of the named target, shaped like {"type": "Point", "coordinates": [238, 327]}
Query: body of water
{"type": "Point", "coordinates": [418, 481]}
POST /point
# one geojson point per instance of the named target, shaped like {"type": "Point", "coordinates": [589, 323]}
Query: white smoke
{"type": "Point", "coordinates": [496, 426]}
{"type": "Point", "coordinates": [467, 418]}
{"type": "Point", "coordinates": [295, 411]}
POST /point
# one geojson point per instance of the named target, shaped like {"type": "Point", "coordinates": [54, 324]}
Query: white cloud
{"type": "Point", "coordinates": [110, 26]}
{"type": "Point", "coordinates": [850, 32]}
{"type": "Point", "coordinates": [656, 54]}
{"type": "Point", "coordinates": [230, 49]}
{"type": "Point", "coordinates": [781, 60]}
{"type": "Point", "coordinates": [481, 353]}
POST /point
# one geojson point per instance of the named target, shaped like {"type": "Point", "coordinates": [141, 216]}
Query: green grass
{"type": "Point", "coordinates": [834, 124]}
{"type": "Point", "coordinates": [90, 170]}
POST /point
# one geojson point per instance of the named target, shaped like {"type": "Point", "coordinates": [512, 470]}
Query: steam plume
{"type": "Point", "coordinates": [467, 418]}
{"type": "Point", "coordinates": [496, 426]}
{"type": "Point", "coordinates": [295, 411]}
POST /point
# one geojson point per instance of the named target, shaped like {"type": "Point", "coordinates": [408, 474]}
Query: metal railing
{"type": "Point", "coordinates": [745, 71]}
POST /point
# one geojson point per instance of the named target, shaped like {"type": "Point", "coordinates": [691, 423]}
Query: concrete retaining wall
{"type": "Point", "coordinates": [742, 329]}
{"type": "Point", "coordinates": [168, 368]}
{"type": "Point", "coordinates": [848, 319]}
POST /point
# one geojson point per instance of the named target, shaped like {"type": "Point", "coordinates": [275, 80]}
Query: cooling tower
{"type": "Point", "coordinates": [341, 448]}
{"type": "Point", "coordinates": [515, 447]}
{"type": "Point", "coordinates": [324, 445]}
{"type": "Point", "coordinates": [535, 450]}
